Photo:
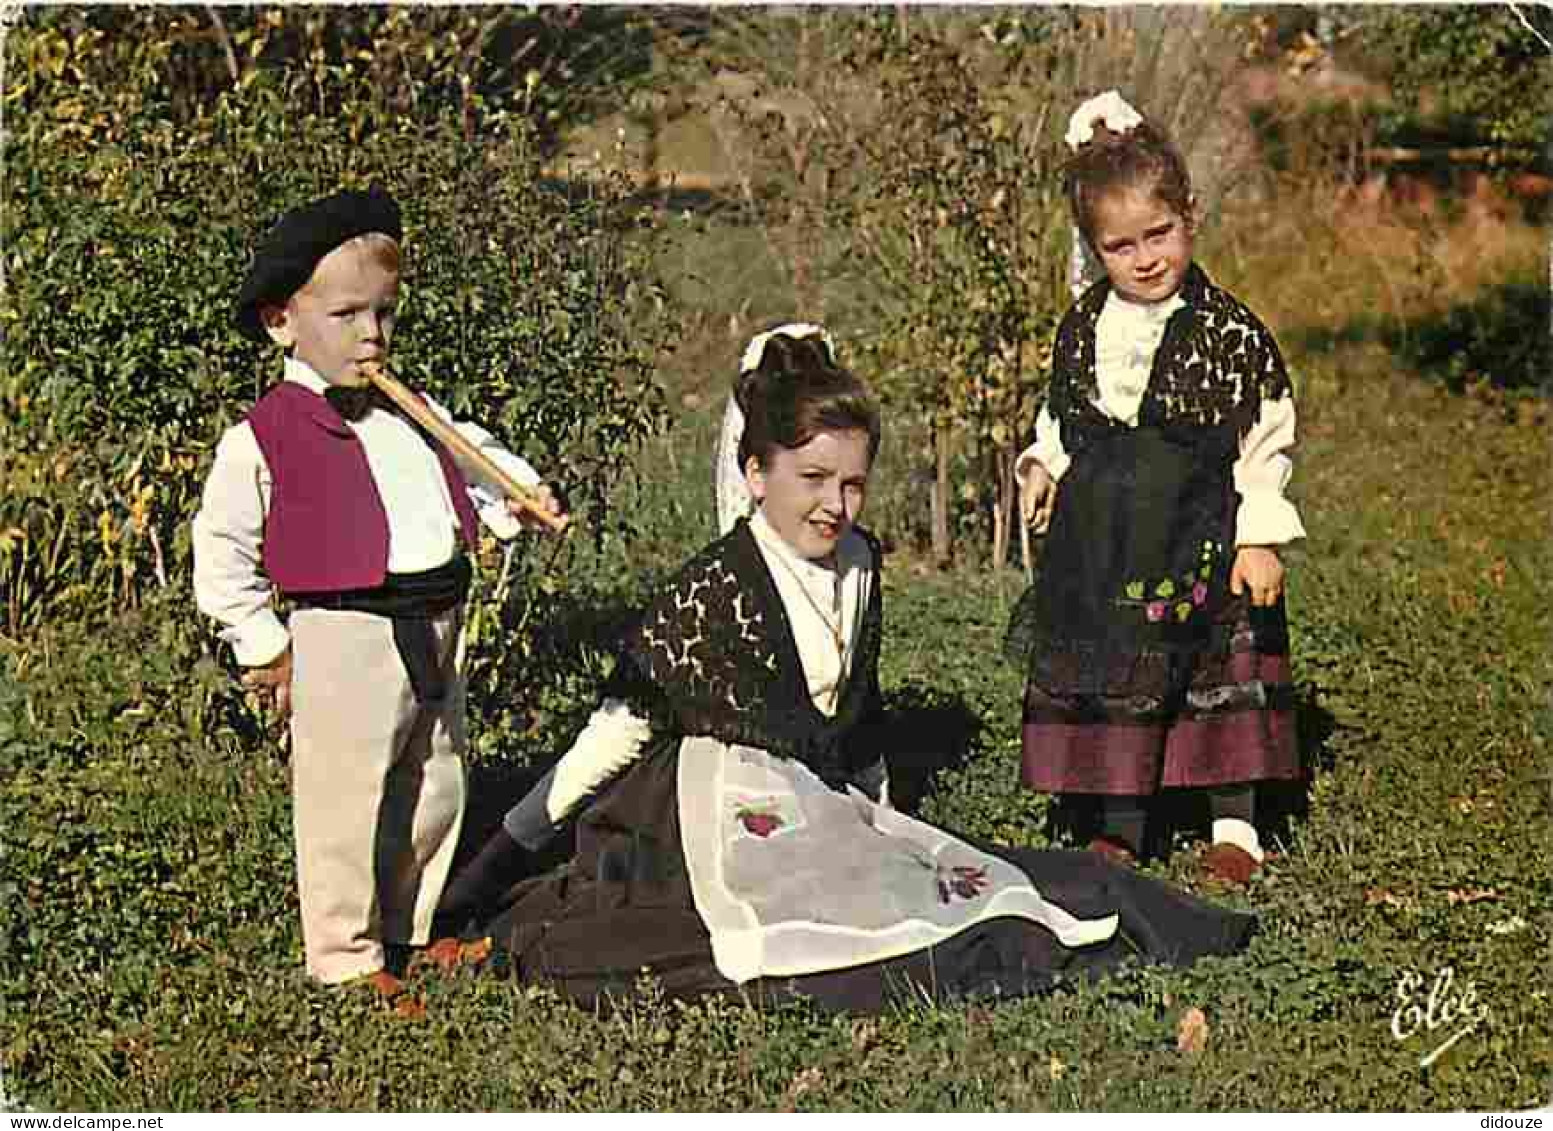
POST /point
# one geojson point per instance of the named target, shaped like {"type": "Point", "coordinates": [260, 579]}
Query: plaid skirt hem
{"type": "Point", "coordinates": [1238, 730]}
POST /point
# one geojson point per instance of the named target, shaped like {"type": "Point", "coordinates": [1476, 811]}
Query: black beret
{"type": "Point", "coordinates": [285, 259]}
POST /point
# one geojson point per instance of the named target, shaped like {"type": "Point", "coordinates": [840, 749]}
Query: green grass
{"type": "Point", "coordinates": [152, 956]}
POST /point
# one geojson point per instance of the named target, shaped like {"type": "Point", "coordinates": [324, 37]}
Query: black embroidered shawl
{"type": "Point", "coordinates": [714, 654]}
{"type": "Point", "coordinates": [1215, 366]}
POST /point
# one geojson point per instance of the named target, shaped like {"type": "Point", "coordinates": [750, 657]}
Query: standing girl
{"type": "Point", "coordinates": [1154, 633]}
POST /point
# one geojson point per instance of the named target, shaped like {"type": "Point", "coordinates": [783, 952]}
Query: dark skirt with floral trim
{"type": "Point", "coordinates": [623, 907]}
{"type": "Point", "coordinates": [1143, 672]}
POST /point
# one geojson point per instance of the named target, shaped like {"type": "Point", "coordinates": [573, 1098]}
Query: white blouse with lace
{"type": "Point", "coordinates": [1127, 336]}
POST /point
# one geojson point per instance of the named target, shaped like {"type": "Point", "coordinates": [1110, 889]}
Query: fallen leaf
{"type": "Point", "coordinates": [1192, 1032]}
{"type": "Point", "coordinates": [1470, 895]}
{"type": "Point", "coordinates": [1373, 896]}
{"type": "Point", "coordinates": [1055, 1066]}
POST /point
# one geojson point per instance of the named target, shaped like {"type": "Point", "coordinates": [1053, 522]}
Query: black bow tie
{"type": "Point", "coordinates": [353, 402]}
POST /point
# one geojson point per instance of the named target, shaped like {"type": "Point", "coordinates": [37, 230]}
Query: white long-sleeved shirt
{"type": "Point", "coordinates": [820, 601]}
{"type": "Point", "coordinates": [1127, 335]}
{"type": "Point", "coordinates": [229, 580]}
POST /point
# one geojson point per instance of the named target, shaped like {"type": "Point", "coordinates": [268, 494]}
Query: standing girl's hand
{"type": "Point", "coordinates": [1257, 568]}
{"type": "Point", "coordinates": [1037, 496]}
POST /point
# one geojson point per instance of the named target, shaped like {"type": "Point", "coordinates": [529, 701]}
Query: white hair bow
{"type": "Point", "coordinates": [1118, 116]}
{"type": "Point", "coordinates": [1109, 108]}
{"type": "Point", "coordinates": [733, 494]}
{"type": "Point", "coordinates": [757, 347]}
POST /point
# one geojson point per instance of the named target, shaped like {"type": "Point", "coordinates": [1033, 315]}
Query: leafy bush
{"type": "Point", "coordinates": [550, 66]}
{"type": "Point", "coordinates": [1500, 337]}
{"type": "Point", "coordinates": [1315, 136]}
{"type": "Point", "coordinates": [1473, 75]}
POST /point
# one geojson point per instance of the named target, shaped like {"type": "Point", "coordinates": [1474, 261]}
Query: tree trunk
{"type": "Point", "coordinates": [1006, 505]}
{"type": "Point", "coordinates": [940, 495]}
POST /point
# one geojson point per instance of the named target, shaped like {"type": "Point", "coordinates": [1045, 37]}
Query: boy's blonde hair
{"type": "Point", "coordinates": [380, 248]}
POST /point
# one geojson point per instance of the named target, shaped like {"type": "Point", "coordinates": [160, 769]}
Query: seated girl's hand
{"type": "Point", "coordinates": [1037, 496]}
{"type": "Point", "coordinates": [1257, 568]}
{"type": "Point", "coordinates": [546, 498]}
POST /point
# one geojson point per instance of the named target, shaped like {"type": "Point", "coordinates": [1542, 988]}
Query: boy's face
{"type": "Point", "coordinates": [344, 316]}
{"type": "Point", "coordinates": [1144, 244]}
{"type": "Point", "coordinates": [812, 495]}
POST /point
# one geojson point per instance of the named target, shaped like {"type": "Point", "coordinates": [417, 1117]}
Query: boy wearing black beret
{"type": "Point", "coordinates": [326, 495]}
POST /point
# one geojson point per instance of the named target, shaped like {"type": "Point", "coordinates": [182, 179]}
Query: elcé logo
{"type": "Point", "coordinates": [1443, 1007]}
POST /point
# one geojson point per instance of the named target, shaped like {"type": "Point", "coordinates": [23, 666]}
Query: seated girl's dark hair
{"type": "Point", "coordinates": [796, 392]}
{"type": "Point", "coordinates": [1143, 156]}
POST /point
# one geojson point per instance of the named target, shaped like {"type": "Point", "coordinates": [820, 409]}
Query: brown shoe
{"type": "Point", "coordinates": [394, 993]}
{"type": "Point", "coordinates": [1114, 851]}
{"type": "Point", "coordinates": [1230, 864]}
{"type": "Point", "coordinates": [382, 984]}
{"type": "Point", "coordinates": [448, 954]}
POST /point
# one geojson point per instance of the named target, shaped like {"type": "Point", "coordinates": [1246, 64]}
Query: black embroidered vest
{"type": "Point", "coordinates": [714, 654]}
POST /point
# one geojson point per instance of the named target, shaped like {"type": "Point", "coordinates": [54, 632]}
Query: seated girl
{"type": "Point", "coordinates": [735, 829]}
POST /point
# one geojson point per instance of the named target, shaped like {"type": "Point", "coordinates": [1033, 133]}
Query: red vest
{"type": "Point", "coordinates": [326, 529]}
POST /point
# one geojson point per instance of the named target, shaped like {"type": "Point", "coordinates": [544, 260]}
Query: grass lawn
{"type": "Point", "coordinates": [152, 955]}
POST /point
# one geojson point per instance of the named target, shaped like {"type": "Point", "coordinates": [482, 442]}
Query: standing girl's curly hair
{"type": "Point", "coordinates": [1143, 156]}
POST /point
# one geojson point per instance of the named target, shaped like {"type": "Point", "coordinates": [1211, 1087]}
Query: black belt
{"type": "Point", "coordinates": [410, 601]}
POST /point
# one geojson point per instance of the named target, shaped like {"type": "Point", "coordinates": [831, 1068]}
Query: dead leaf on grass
{"type": "Point", "coordinates": [1375, 896]}
{"type": "Point", "coordinates": [1192, 1032]}
{"type": "Point", "coordinates": [805, 1081]}
{"type": "Point", "coordinates": [410, 1007]}
{"type": "Point", "coordinates": [1470, 895]}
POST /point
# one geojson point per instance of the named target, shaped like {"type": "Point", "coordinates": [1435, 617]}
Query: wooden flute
{"type": "Point", "coordinates": [462, 450]}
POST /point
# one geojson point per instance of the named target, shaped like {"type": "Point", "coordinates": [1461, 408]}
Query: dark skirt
{"type": "Point", "coordinates": [1143, 671]}
{"type": "Point", "coordinates": [623, 906]}
{"type": "Point", "coordinates": [1233, 723]}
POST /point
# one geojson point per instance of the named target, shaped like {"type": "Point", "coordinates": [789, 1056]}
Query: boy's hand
{"type": "Point", "coordinates": [1257, 568]}
{"type": "Point", "coordinates": [273, 682]}
{"type": "Point", "coordinates": [546, 498]}
{"type": "Point", "coordinates": [1037, 497]}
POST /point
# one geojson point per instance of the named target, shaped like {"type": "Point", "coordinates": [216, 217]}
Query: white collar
{"type": "Point", "coordinates": [305, 375]}
{"type": "Point", "coordinates": [1144, 311]}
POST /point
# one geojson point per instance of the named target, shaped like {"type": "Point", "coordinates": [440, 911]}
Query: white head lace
{"type": "Point", "coordinates": [734, 500]}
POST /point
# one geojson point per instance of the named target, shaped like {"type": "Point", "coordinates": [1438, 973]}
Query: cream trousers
{"type": "Point", "coordinates": [377, 788]}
